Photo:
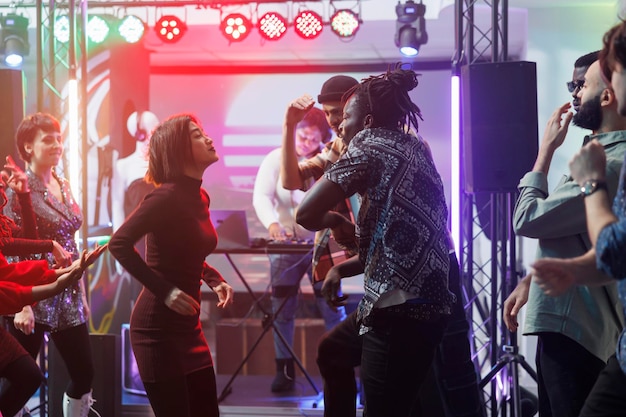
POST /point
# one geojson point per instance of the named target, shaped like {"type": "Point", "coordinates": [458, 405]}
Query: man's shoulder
{"type": "Point", "coordinates": [609, 139]}
{"type": "Point", "coordinates": [274, 154]}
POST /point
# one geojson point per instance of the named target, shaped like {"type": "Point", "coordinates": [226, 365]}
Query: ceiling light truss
{"type": "Point", "coordinates": [273, 19]}
{"type": "Point", "coordinates": [14, 43]}
{"type": "Point", "coordinates": [307, 18]}
{"type": "Point", "coordinates": [53, 61]}
{"type": "Point", "coordinates": [410, 27]}
{"type": "Point", "coordinates": [104, 26]}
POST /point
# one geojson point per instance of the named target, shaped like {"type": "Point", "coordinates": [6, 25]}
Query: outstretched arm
{"type": "Point", "coordinates": [555, 276]}
{"type": "Point", "coordinates": [26, 282]}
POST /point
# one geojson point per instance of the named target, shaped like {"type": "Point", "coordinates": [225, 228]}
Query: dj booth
{"type": "Point", "coordinates": [248, 338]}
{"type": "Point", "coordinates": [244, 345]}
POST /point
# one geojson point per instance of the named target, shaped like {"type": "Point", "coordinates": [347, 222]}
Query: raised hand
{"type": "Point", "coordinates": [90, 257]}
{"type": "Point", "coordinates": [557, 127]}
{"type": "Point", "coordinates": [298, 108]}
{"type": "Point", "coordinates": [16, 179]}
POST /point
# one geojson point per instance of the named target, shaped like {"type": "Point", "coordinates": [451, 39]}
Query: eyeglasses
{"type": "Point", "coordinates": [575, 85]}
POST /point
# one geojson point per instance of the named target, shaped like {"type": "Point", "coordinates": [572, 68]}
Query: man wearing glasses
{"type": "Point", "coordinates": [578, 77]}
{"type": "Point", "coordinates": [275, 207]}
{"type": "Point", "coordinates": [578, 330]}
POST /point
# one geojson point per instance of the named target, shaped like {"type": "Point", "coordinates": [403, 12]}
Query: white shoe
{"type": "Point", "coordinates": [73, 407]}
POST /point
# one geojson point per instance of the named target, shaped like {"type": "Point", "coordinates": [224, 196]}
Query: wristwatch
{"type": "Point", "coordinates": [591, 186]}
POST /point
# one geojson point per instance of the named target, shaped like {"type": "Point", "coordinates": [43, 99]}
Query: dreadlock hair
{"type": "Point", "coordinates": [386, 98]}
{"type": "Point", "coordinates": [613, 50]}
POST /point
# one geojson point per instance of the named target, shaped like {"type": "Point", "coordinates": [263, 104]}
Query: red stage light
{"type": "Point", "coordinates": [272, 26]}
{"type": "Point", "coordinates": [170, 28]}
{"type": "Point", "coordinates": [308, 24]}
{"type": "Point", "coordinates": [344, 23]}
{"type": "Point", "coordinates": [236, 27]}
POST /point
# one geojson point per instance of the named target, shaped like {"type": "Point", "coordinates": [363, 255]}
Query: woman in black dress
{"type": "Point", "coordinates": [172, 354]}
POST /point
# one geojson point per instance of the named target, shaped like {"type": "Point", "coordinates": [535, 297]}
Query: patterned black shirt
{"type": "Point", "coordinates": [402, 224]}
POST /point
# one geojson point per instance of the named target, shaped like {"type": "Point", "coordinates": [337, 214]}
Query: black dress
{"type": "Point", "coordinates": [179, 236]}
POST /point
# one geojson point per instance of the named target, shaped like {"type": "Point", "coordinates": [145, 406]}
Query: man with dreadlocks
{"type": "Point", "coordinates": [403, 252]}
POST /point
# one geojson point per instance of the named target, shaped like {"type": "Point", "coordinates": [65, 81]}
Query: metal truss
{"type": "Point", "coordinates": [202, 4]}
{"type": "Point", "coordinates": [489, 265]}
{"type": "Point", "coordinates": [476, 43]}
{"type": "Point", "coordinates": [53, 63]}
{"type": "Point", "coordinates": [57, 63]}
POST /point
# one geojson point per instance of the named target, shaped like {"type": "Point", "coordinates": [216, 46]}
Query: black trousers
{"type": "Point", "coordinates": [608, 396]}
{"type": "Point", "coordinates": [451, 389]}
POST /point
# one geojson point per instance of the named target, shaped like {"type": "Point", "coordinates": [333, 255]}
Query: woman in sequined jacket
{"type": "Point", "coordinates": [58, 216]}
{"type": "Point", "coordinates": [19, 286]}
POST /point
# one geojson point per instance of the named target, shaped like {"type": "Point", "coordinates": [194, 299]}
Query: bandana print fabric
{"type": "Point", "coordinates": [402, 222]}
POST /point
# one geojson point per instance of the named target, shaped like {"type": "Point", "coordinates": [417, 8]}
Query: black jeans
{"type": "Point", "coordinates": [452, 387]}
{"type": "Point", "coordinates": [608, 396]}
{"type": "Point", "coordinates": [566, 373]}
{"type": "Point", "coordinates": [74, 347]}
{"type": "Point", "coordinates": [23, 377]}
{"type": "Point", "coordinates": [395, 357]}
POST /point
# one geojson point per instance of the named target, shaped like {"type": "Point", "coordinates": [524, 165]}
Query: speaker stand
{"type": "Point", "coordinates": [509, 361]}
{"type": "Point", "coordinates": [504, 273]}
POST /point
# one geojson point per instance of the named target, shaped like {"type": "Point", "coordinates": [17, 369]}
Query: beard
{"type": "Point", "coordinates": [589, 115]}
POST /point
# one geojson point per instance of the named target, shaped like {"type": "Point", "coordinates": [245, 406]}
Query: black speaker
{"type": "Point", "coordinates": [105, 349]}
{"type": "Point", "coordinates": [500, 132]}
{"type": "Point", "coordinates": [11, 111]}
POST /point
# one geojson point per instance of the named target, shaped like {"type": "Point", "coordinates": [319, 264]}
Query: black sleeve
{"type": "Point", "coordinates": [151, 213]}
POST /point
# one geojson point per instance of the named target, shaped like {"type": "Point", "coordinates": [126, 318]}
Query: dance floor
{"type": "Point", "coordinates": [250, 397]}
{"type": "Point", "coordinates": [231, 335]}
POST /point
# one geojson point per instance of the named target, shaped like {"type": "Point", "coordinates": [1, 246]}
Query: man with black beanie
{"type": "Point", "coordinates": [302, 176]}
